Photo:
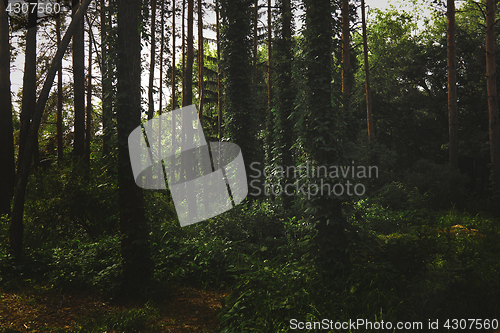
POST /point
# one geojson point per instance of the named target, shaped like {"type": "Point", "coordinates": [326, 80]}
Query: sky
{"type": "Point", "coordinates": [17, 72]}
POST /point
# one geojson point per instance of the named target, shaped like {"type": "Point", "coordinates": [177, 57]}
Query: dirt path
{"type": "Point", "coordinates": [189, 310]}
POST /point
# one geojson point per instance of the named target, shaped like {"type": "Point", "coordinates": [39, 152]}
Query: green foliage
{"type": "Point", "coordinates": [128, 321]}
{"type": "Point", "coordinates": [77, 265]}
{"type": "Point", "coordinates": [72, 207]}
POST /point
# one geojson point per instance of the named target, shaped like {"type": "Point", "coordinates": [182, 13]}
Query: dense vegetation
{"type": "Point", "coordinates": [414, 241]}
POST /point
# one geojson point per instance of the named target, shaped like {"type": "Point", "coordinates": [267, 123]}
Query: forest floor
{"type": "Point", "coordinates": [36, 309]}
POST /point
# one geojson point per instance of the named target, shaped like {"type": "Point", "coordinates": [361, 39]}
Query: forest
{"type": "Point", "coordinates": [352, 175]}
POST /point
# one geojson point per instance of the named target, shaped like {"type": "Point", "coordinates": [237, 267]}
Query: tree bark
{"type": "Point", "coordinates": [345, 55]}
{"type": "Point", "coordinates": [494, 129]}
{"type": "Point", "coordinates": [174, 102]}
{"type": "Point", "coordinates": [162, 46]}
{"type": "Point", "coordinates": [183, 46]}
{"type": "Point", "coordinates": [16, 224]}
{"type": "Point", "coordinates": [201, 62]}
{"type": "Point", "coordinates": [88, 129]}
{"type": "Point", "coordinates": [269, 71]}
{"type": "Point", "coordinates": [219, 83]}
{"type": "Point", "coordinates": [78, 87]}
{"type": "Point", "coordinates": [151, 104]}
{"type": "Point", "coordinates": [59, 130]}
{"type": "Point", "coordinates": [452, 87]}
{"type": "Point", "coordinates": [29, 82]}
{"type": "Point", "coordinates": [107, 99]}
{"type": "Point", "coordinates": [188, 74]}
{"type": "Point", "coordinates": [7, 163]}
{"type": "Point", "coordinates": [369, 119]}
{"type": "Point", "coordinates": [137, 264]}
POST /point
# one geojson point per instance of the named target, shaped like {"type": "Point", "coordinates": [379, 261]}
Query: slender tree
{"type": "Point", "coordinates": [187, 88]}
{"type": "Point", "coordinates": [137, 265]}
{"type": "Point", "coordinates": [7, 164]}
{"type": "Point", "coordinates": [183, 47]}
{"type": "Point", "coordinates": [16, 224]}
{"type": "Point", "coordinates": [369, 119]}
{"type": "Point", "coordinates": [59, 130]}
{"type": "Point", "coordinates": [346, 46]}
{"type": "Point", "coordinates": [88, 128]}
{"type": "Point", "coordinates": [29, 82]}
{"type": "Point", "coordinates": [162, 47]}
{"type": "Point", "coordinates": [452, 86]}
{"type": "Point", "coordinates": [78, 87]}
{"type": "Point", "coordinates": [494, 125]}
{"type": "Point", "coordinates": [201, 62]}
{"type": "Point", "coordinates": [269, 70]}
{"type": "Point", "coordinates": [106, 79]}
{"type": "Point", "coordinates": [219, 82]}
{"type": "Point", "coordinates": [151, 104]}
{"type": "Point", "coordinates": [284, 92]}
{"type": "Point", "coordinates": [174, 100]}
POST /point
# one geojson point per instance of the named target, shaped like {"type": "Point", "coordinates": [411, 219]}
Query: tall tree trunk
{"type": "Point", "coordinates": [219, 83]}
{"type": "Point", "coordinates": [332, 241]}
{"type": "Point", "coordinates": [16, 223]}
{"type": "Point", "coordinates": [255, 39]}
{"type": "Point", "coordinates": [284, 94]}
{"type": "Point", "coordinates": [201, 60]}
{"type": "Point", "coordinates": [7, 164]}
{"type": "Point", "coordinates": [151, 102]}
{"type": "Point", "coordinates": [88, 129]}
{"type": "Point", "coordinates": [452, 87]}
{"type": "Point", "coordinates": [59, 130]}
{"type": "Point", "coordinates": [369, 119]}
{"type": "Point", "coordinates": [187, 94]}
{"type": "Point", "coordinates": [78, 87]}
{"type": "Point", "coordinates": [492, 100]}
{"type": "Point", "coordinates": [183, 46]}
{"type": "Point", "coordinates": [29, 82]}
{"type": "Point", "coordinates": [346, 45]}
{"type": "Point", "coordinates": [269, 71]}
{"type": "Point", "coordinates": [174, 102]}
{"type": "Point", "coordinates": [137, 264]}
{"type": "Point", "coordinates": [162, 47]}
{"type": "Point", "coordinates": [107, 98]}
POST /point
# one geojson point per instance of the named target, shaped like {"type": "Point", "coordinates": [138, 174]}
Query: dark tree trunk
{"type": "Point", "coordinates": [88, 129]}
{"type": "Point", "coordinates": [174, 101]}
{"type": "Point", "coordinates": [452, 87]}
{"type": "Point", "coordinates": [284, 93]}
{"type": "Point", "coordinates": [59, 129]}
{"type": "Point", "coordinates": [201, 61]}
{"type": "Point", "coordinates": [162, 47]}
{"type": "Point", "coordinates": [29, 82]}
{"type": "Point", "coordinates": [494, 125]}
{"type": "Point", "coordinates": [78, 87]}
{"type": "Point", "coordinates": [269, 71]}
{"type": "Point", "coordinates": [187, 94]}
{"type": "Point", "coordinates": [107, 99]}
{"type": "Point", "coordinates": [151, 102]}
{"type": "Point", "coordinates": [183, 46]}
{"type": "Point", "coordinates": [7, 164]}
{"type": "Point", "coordinates": [346, 46]}
{"type": "Point", "coordinates": [369, 119]}
{"type": "Point", "coordinates": [219, 82]}
{"type": "Point", "coordinates": [16, 223]}
{"type": "Point", "coordinates": [137, 264]}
